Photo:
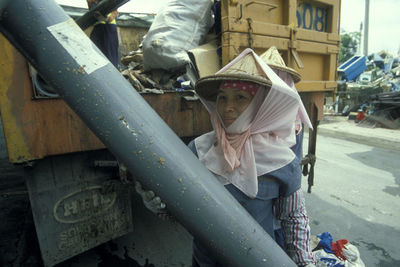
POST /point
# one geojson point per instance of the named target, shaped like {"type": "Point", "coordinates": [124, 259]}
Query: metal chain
{"type": "Point", "coordinates": [250, 32]}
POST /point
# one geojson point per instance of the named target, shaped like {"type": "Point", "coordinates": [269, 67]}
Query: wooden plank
{"type": "Point", "coordinates": [271, 11]}
{"type": "Point", "coordinates": [316, 86]}
{"type": "Point", "coordinates": [318, 74]}
{"type": "Point", "coordinates": [186, 118]}
{"type": "Point", "coordinates": [259, 27]}
{"type": "Point", "coordinates": [311, 99]}
{"type": "Point", "coordinates": [239, 40]}
{"type": "Point", "coordinates": [333, 61]}
{"type": "Point", "coordinates": [290, 8]}
{"type": "Point", "coordinates": [282, 31]}
{"type": "Point", "coordinates": [321, 37]}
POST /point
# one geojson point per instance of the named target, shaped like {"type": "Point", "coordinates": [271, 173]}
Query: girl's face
{"type": "Point", "coordinates": [231, 103]}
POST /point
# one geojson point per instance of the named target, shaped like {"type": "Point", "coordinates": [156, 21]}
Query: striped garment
{"type": "Point", "coordinates": [291, 211]}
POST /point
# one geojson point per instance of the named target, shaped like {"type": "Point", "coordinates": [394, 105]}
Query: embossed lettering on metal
{"type": "Point", "coordinates": [83, 204]}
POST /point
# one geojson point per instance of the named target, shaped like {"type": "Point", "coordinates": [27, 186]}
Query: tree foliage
{"type": "Point", "coordinates": [349, 42]}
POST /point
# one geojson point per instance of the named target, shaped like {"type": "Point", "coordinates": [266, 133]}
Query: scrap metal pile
{"type": "Point", "coordinates": [386, 110]}
{"type": "Point", "coordinates": [370, 85]}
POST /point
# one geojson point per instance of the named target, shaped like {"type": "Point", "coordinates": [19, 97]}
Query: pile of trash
{"type": "Point", "coordinates": [166, 58]}
{"type": "Point", "coordinates": [368, 90]}
{"type": "Point", "coordinates": [340, 253]}
{"type": "Point", "coordinates": [386, 111]}
{"type": "Point", "coordinates": [156, 81]}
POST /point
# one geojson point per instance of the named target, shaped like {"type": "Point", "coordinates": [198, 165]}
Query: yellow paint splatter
{"type": "Point", "coordinates": [161, 160]}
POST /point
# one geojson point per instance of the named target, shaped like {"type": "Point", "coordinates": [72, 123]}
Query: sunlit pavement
{"type": "Point", "coordinates": [356, 194]}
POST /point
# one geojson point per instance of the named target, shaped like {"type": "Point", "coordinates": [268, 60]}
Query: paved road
{"type": "Point", "coordinates": [357, 197]}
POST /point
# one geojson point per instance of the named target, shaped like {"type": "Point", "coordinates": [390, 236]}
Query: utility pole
{"type": "Point", "coordinates": [366, 27]}
{"type": "Point", "coordinates": [360, 40]}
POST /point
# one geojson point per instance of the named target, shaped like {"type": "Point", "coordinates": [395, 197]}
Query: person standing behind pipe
{"type": "Point", "coordinates": [104, 34]}
{"type": "Point", "coordinates": [290, 76]}
{"type": "Point", "coordinates": [253, 114]}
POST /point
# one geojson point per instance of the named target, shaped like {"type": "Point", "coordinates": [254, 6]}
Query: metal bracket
{"type": "Point", "coordinates": [293, 47]}
{"type": "Point", "coordinates": [240, 13]}
{"type": "Point", "coordinates": [233, 2]}
{"type": "Point", "coordinates": [271, 6]}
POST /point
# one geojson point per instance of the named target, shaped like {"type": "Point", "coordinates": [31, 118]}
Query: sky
{"type": "Point", "coordinates": [384, 19]}
{"type": "Point", "coordinates": [384, 22]}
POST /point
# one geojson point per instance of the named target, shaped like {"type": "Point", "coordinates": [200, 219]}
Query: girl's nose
{"type": "Point", "coordinates": [229, 106]}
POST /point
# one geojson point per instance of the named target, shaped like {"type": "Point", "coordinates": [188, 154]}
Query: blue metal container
{"type": "Point", "coordinates": [353, 67]}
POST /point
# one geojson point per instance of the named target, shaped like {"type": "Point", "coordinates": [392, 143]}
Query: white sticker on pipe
{"type": "Point", "coordinates": [78, 45]}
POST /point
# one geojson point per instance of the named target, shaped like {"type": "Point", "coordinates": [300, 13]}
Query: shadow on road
{"type": "Point", "coordinates": [385, 163]}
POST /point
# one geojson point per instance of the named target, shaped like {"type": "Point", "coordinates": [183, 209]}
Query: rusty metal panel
{"type": "Point", "coordinates": [36, 128]}
{"type": "Point", "coordinates": [185, 117]}
{"type": "Point", "coordinates": [75, 206]}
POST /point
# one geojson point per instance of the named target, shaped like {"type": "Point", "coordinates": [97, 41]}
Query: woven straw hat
{"type": "Point", "coordinates": [275, 61]}
{"type": "Point", "coordinates": [244, 70]}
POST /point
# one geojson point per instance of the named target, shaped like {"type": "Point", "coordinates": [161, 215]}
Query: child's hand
{"type": "Point", "coordinates": [151, 201]}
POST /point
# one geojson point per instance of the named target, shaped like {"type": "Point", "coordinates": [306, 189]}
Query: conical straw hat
{"type": "Point", "coordinates": [246, 69]}
{"type": "Point", "coordinates": [275, 61]}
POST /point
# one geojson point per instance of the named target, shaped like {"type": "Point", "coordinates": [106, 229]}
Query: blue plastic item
{"type": "Point", "coordinates": [353, 67]}
{"type": "Point", "coordinates": [325, 242]}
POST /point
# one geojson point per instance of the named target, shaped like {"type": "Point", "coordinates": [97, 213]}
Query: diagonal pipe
{"type": "Point", "coordinates": [135, 134]}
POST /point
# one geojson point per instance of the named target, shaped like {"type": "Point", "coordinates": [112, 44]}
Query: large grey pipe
{"type": "Point", "coordinates": [135, 134]}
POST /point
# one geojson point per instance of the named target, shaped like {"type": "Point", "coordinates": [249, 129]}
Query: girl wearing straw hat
{"type": "Point", "coordinates": [253, 115]}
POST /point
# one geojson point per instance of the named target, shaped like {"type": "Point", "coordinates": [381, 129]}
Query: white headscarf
{"type": "Point", "coordinates": [302, 115]}
{"type": "Point", "coordinates": [264, 133]}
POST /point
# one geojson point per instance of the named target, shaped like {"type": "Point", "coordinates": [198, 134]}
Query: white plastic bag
{"type": "Point", "coordinates": [179, 26]}
{"type": "Point", "coordinates": [353, 256]}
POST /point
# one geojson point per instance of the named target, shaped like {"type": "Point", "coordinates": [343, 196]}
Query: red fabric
{"type": "Point", "coordinates": [248, 87]}
{"type": "Point", "coordinates": [337, 248]}
{"type": "Point", "coordinates": [360, 115]}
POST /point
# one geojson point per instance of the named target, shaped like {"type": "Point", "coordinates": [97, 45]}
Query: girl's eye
{"type": "Point", "coordinates": [241, 97]}
{"type": "Point", "coordinates": [221, 97]}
